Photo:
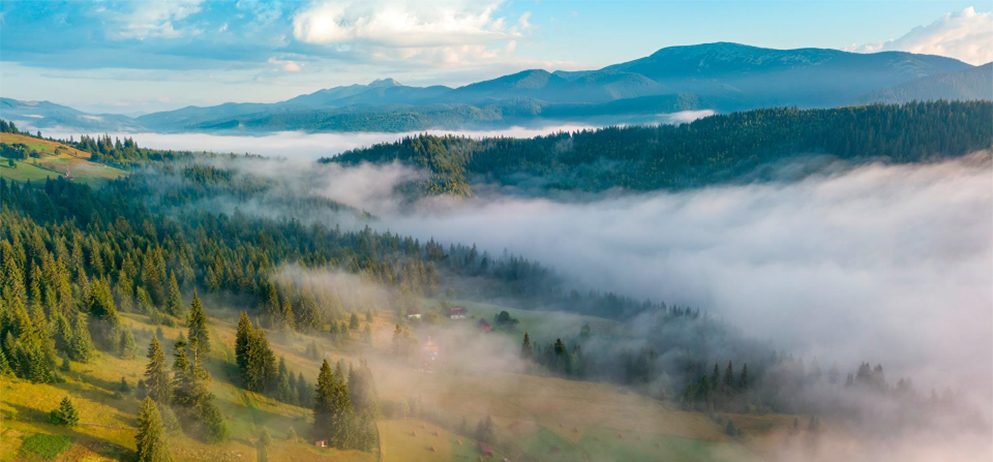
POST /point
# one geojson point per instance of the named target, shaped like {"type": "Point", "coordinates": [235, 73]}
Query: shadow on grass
{"type": "Point", "coordinates": [103, 447]}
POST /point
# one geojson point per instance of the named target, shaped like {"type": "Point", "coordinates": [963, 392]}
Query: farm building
{"type": "Point", "coordinates": [484, 326]}
{"type": "Point", "coordinates": [457, 312]}
{"type": "Point", "coordinates": [414, 313]}
{"type": "Point", "coordinates": [486, 449]}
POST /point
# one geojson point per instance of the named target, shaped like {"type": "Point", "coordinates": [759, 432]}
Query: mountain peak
{"type": "Point", "coordinates": [387, 82]}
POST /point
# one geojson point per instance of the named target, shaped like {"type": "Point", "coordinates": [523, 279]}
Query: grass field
{"type": "Point", "coordinates": [548, 418]}
{"type": "Point", "coordinates": [55, 159]}
{"type": "Point", "coordinates": [419, 441]}
{"type": "Point", "coordinates": [545, 326]}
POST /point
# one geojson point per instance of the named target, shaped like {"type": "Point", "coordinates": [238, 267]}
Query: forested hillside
{"type": "Point", "coordinates": [713, 150]}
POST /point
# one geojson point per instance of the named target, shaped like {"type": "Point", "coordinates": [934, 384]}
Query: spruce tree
{"type": "Point", "coordinates": [262, 446]}
{"type": "Point", "coordinates": [305, 393]}
{"type": "Point", "coordinates": [182, 378]}
{"type": "Point", "coordinates": [243, 338]}
{"type": "Point", "coordinates": [156, 380]}
{"type": "Point", "coordinates": [174, 302]}
{"type": "Point", "coordinates": [128, 347]}
{"type": "Point", "coordinates": [289, 319]}
{"type": "Point", "coordinates": [526, 352]}
{"type": "Point", "coordinates": [66, 414]}
{"type": "Point", "coordinates": [4, 365]}
{"type": "Point", "coordinates": [324, 402]}
{"type": "Point", "coordinates": [197, 321]}
{"type": "Point", "coordinates": [150, 439]}
{"type": "Point", "coordinates": [80, 346]}
{"type": "Point", "coordinates": [342, 433]}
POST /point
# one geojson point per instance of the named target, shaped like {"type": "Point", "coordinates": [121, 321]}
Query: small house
{"type": "Point", "coordinates": [321, 443]}
{"type": "Point", "coordinates": [457, 312]}
{"type": "Point", "coordinates": [414, 313]}
{"type": "Point", "coordinates": [484, 326]}
{"type": "Point", "coordinates": [485, 449]}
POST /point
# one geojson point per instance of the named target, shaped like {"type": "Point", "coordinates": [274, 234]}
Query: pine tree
{"type": "Point", "coordinates": [197, 321]}
{"type": "Point", "coordinates": [156, 376]}
{"type": "Point", "coordinates": [174, 304]}
{"type": "Point", "coordinates": [262, 446]}
{"type": "Point", "coordinates": [343, 428]}
{"type": "Point", "coordinates": [243, 338]}
{"type": "Point", "coordinates": [4, 365]}
{"type": "Point", "coordinates": [743, 378]}
{"type": "Point", "coordinates": [730, 429]}
{"type": "Point", "coordinates": [353, 321]}
{"type": "Point", "coordinates": [128, 347]}
{"type": "Point", "coordinates": [66, 414]}
{"type": "Point", "coordinates": [324, 402]}
{"type": "Point", "coordinates": [484, 431]}
{"type": "Point", "coordinates": [526, 352]}
{"type": "Point", "coordinates": [182, 378]}
{"type": "Point", "coordinates": [289, 319]}
{"type": "Point", "coordinates": [80, 346]}
{"type": "Point", "coordinates": [305, 393]}
{"type": "Point", "coordinates": [291, 434]}
{"type": "Point", "coordinates": [285, 392]}
{"type": "Point", "coordinates": [729, 379]}
{"type": "Point", "coordinates": [150, 440]}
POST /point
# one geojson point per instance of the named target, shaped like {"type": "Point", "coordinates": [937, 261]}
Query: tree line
{"type": "Point", "coordinates": [716, 149]}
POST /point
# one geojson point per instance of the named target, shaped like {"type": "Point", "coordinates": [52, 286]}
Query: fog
{"type": "Point", "coordinates": [887, 264]}
{"type": "Point", "coordinates": [310, 146]}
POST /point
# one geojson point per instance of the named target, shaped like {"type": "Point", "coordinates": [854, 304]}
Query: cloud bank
{"type": "Point", "coordinates": [889, 264]}
{"type": "Point", "coordinates": [965, 35]}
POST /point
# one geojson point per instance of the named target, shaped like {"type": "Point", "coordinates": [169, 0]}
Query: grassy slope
{"type": "Point", "coordinates": [543, 326]}
{"type": "Point", "coordinates": [542, 412]}
{"type": "Point", "coordinates": [55, 159]}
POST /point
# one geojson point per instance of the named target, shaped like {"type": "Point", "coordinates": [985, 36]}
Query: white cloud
{"type": "Point", "coordinates": [965, 35]}
{"type": "Point", "coordinates": [286, 65]}
{"type": "Point", "coordinates": [141, 20]}
{"type": "Point", "coordinates": [402, 24]}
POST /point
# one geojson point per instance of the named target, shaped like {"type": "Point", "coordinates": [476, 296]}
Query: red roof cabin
{"type": "Point", "coordinates": [457, 312]}
{"type": "Point", "coordinates": [484, 326]}
{"type": "Point", "coordinates": [486, 449]}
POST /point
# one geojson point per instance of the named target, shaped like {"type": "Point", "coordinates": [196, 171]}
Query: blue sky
{"type": "Point", "coordinates": [131, 57]}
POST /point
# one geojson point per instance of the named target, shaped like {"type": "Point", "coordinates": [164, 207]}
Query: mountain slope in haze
{"type": "Point", "coordinates": [48, 115]}
{"type": "Point", "coordinates": [718, 76]}
{"type": "Point", "coordinates": [750, 77]}
{"type": "Point", "coordinates": [971, 84]}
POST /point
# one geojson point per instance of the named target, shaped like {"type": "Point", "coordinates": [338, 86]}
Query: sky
{"type": "Point", "coordinates": [134, 57]}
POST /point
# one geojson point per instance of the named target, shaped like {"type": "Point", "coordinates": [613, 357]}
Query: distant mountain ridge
{"type": "Point", "coordinates": [720, 76]}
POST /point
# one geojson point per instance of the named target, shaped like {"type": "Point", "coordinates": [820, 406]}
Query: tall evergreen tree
{"type": "Point", "coordinates": [150, 439]}
{"type": "Point", "coordinates": [197, 321]}
{"type": "Point", "coordinates": [174, 302]}
{"type": "Point", "coordinates": [156, 376]}
{"type": "Point", "coordinates": [324, 402]}
{"type": "Point", "coordinates": [526, 352]}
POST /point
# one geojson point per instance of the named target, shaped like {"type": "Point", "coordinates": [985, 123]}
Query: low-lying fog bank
{"type": "Point", "coordinates": [888, 264]}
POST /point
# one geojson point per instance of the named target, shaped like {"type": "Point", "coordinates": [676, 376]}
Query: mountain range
{"type": "Point", "coordinates": [723, 77]}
